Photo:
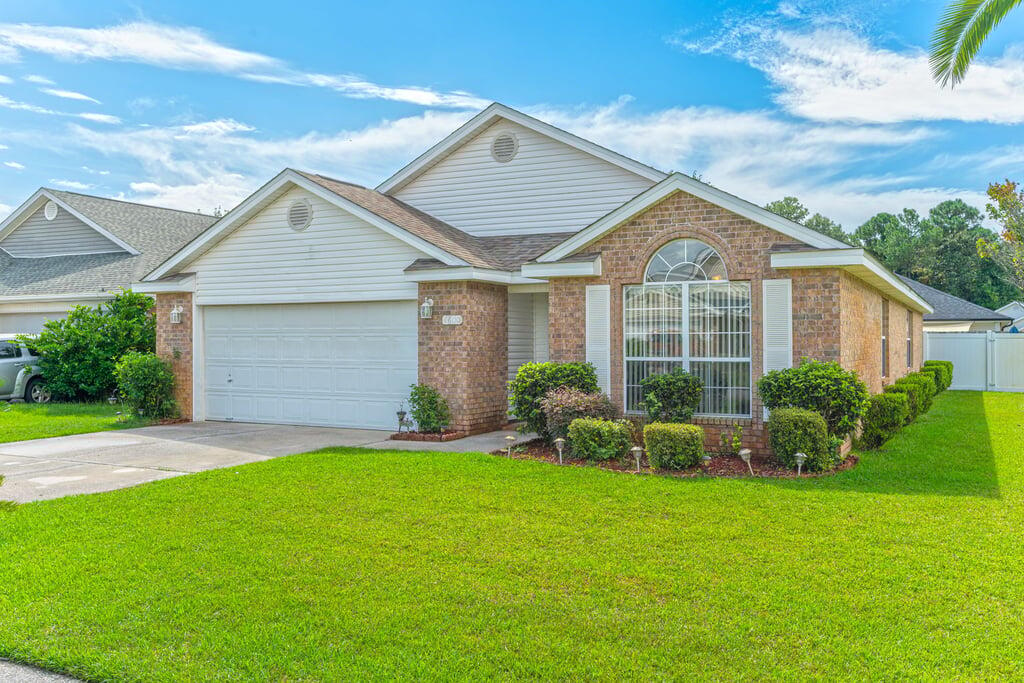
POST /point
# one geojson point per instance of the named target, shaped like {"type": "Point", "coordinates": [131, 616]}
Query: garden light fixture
{"type": "Point", "coordinates": [559, 444]}
{"type": "Point", "coordinates": [637, 452]}
{"type": "Point", "coordinates": [745, 457]}
{"type": "Point", "coordinates": [800, 458]}
{"type": "Point", "coordinates": [427, 309]}
{"type": "Point", "coordinates": [510, 440]}
{"type": "Point", "coordinates": [706, 459]}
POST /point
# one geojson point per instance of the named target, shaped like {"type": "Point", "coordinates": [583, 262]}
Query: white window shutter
{"type": "Point", "coordinates": [777, 318]}
{"type": "Point", "coordinates": [599, 334]}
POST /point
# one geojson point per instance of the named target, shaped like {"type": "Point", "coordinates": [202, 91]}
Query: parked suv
{"type": "Point", "coordinates": [19, 373]}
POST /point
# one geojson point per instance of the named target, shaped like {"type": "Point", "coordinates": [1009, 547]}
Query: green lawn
{"type": "Point", "coordinates": [351, 564]}
{"type": "Point", "coordinates": [24, 421]}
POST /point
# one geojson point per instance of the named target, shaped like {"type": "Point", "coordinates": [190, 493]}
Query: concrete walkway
{"type": "Point", "coordinates": [21, 673]}
{"type": "Point", "coordinates": [104, 461]}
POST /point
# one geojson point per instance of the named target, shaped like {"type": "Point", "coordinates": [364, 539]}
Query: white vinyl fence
{"type": "Point", "coordinates": [982, 361]}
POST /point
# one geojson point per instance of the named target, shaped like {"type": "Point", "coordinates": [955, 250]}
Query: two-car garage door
{"type": "Point", "coordinates": [340, 365]}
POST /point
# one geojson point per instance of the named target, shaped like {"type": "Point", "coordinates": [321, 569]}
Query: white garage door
{"type": "Point", "coordinates": [342, 365]}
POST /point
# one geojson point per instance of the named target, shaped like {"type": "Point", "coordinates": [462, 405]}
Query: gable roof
{"type": "Point", "coordinates": [1012, 309]}
{"type": "Point", "coordinates": [678, 182]}
{"type": "Point", "coordinates": [949, 307]}
{"type": "Point", "coordinates": [149, 235]}
{"type": "Point", "coordinates": [490, 115]}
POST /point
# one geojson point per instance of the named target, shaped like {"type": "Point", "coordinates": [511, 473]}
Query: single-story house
{"type": "Point", "coordinates": [953, 314]}
{"type": "Point", "coordinates": [317, 301]}
{"type": "Point", "coordinates": [62, 249]}
{"type": "Point", "coordinates": [1015, 311]}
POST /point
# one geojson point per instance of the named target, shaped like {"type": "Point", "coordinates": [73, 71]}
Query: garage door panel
{"type": "Point", "coordinates": [325, 364]}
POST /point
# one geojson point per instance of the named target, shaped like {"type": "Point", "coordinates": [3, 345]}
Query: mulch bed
{"type": "Point", "coordinates": [720, 465]}
{"type": "Point", "coordinates": [426, 436]}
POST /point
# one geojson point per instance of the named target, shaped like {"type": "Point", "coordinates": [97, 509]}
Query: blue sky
{"type": "Point", "coordinates": [194, 105]}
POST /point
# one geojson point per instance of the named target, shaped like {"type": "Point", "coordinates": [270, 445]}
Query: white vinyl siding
{"type": "Point", "coordinates": [65, 235]}
{"type": "Point", "coordinates": [527, 330]}
{"type": "Point", "coordinates": [339, 365]}
{"type": "Point", "coordinates": [548, 186]}
{"type": "Point", "coordinates": [598, 333]}
{"type": "Point", "coordinates": [337, 258]}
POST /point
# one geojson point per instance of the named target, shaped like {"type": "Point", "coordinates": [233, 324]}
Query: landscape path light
{"type": "Point", "coordinates": [745, 457]}
{"type": "Point", "coordinates": [637, 452]}
{"type": "Point", "coordinates": [559, 444]}
{"type": "Point", "coordinates": [510, 440]}
{"type": "Point", "coordinates": [800, 458]}
{"type": "Point", "coordinates": [706, 459]}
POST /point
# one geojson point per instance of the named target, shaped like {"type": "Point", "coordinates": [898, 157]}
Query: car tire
{"type": "Point", "coordinates": [36, 391]}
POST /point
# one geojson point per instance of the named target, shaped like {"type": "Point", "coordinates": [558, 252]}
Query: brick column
{"type": "Point", "coordinates": [174, 345]}
{"type": "Point", "coordinates": [467, 363]}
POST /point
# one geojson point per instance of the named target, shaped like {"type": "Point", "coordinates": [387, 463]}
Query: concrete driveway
{"type": "Point", "coordinates": [104, 461]}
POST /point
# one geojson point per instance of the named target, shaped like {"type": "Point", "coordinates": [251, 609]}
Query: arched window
{"type": "Point", "coordinates": [685, 261]}
{"type": "Point", "coordinates": [688, 315]}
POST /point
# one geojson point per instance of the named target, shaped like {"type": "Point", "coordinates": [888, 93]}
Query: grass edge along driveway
{"type": "Point", "coordinates": [355, 564]}
{"type": "Point", "coordinates": [25, 421]}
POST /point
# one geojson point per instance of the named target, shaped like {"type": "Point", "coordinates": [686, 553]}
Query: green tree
{"type": "Point", "coordinates": [1007, 209]}
{"type": "Point", "coordinates": [791, 208]}
{"type": "Point", "coordinates": [960, 33]}
{"type": "Point", "coordinates": [894, 239]}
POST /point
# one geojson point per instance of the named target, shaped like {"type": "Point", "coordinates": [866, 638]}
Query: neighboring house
{"type": "Point", "coordinates": [953, 314]}
{"type": "Point", "coordinates": [62, 249]}
{"type": "Point", "coordinates": [1014, 310]}
{"type": "Point", "coordinates": [316, 301]}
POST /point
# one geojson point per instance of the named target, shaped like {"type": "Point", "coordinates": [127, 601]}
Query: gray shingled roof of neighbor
{"type": "Point", "coordinates": [949, 307]}
{"type": "Point", "coordinates": [156, 232]}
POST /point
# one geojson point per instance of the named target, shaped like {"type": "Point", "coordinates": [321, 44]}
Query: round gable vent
{"type": "Point", "coordinates": [300, 214]}
{"type": "Point", "coordinates": [50, 210]}
{"type": "Point", "coordinates": [504, 147]}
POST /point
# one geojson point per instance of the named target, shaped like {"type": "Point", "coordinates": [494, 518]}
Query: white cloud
{"type": "Point", "coordinates": [834, 74]}
{"type": "Point", "coordinates": [69, 184]}
{"type": "Point", "coordinates": [69, 95]}
{"type": "Point", "coordinates": [8, 103]}
{"type": "Point", "coordinates": [39, 80]}
{"type": "Point", "coordinates": [5, 210]}
{"type": "Point", "coordinates": [190, 49]}
{"type": "Point", "coordinates": [15, 165]}
{"type": "Point", "coordinates": [94, 171]}
{"type": "Point", "coordinates": [99, 118]}
{"type": "Point", "coordinates": [6, 79]}
{"type": "Point", "coordinates": [218, 127]}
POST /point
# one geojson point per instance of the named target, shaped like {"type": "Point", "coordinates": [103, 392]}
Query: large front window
{"type": "Point", "coordinates": [687, 315]}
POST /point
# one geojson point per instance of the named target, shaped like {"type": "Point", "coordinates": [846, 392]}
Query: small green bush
{"type": "Point", "coordinates": [885, 417]}
{"type": "Point", "coordinates": [673, 446]}
{"type": "Point", "coordinates": [927, 384]}
{"type": "Point", "coordinates": [146, 385]}
{"type": "Point", "coordinates": [597, 440]}
{"type": "Point", "coordinates": [671, 397]}
{"type": "Point", "coordinates": [836, 394]}
{"type": "Point", "coordinates": [798, 430]}
{"type": "Point", "coordinates": [946, 368]}
{"type": "Point", "coordinates": [563, 405]}
{"type": "Point", "coordinates": [936, 373]}
{"type": "Point", "coordinates": [915, 397]}
{"type": "Point", "coordinates": [428, 408]}
{"type": "Point", "coordinates": [532, 383]}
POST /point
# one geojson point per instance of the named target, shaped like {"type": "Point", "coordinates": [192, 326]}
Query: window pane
{"type": "Point", "coordinates": [726, 387]}
{"type": "Point", "coordinates": [636, 370]}
{"type": "Point", "coordinates": [685, 260]}
{"type": "Point", "coordinates": [653, 322]}
{"type": "Point", "coordinates": [720, 320]}
{"type": "Point", "coordinates": [8, 350]}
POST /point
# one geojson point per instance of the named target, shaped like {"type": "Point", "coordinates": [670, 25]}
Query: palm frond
{"type": "Point", "coordinates": [960, 33]}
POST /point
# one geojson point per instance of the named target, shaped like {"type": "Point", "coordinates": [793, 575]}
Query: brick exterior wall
{"type": "Point", "coordinates": [467, 363]}
{"type": "Point", "coordinates": [822, 329]}
{"type": "Point", "coordinates": [174, 345]}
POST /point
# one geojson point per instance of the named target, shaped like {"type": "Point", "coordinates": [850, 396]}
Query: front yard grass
{"type": "Point", "coordinates": [349, 564]}
{"type": "Point", "coordinates": [24, 421]}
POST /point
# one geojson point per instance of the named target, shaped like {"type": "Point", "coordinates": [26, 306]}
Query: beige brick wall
{"type": "Point", "coordinates": [467, 363]}
{"type": "Point", "coordinates": [174, 344]}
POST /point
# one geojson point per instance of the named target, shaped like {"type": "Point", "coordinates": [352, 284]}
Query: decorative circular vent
{"type": "Point", "coordinates": [300, 213]}
{"type": "Point", "coordinates": [50, 210]}
{"type": "Point", "coordinates": [504, 147]}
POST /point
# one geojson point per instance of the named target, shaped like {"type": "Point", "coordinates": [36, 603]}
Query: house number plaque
{"type": "Point", "coordinates": [451, 320]}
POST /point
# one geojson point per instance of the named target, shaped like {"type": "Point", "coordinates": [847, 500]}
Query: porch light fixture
{"type": "Point", "coordinates": [637, 452]}
{"type": "Point", "coordinates": [510, 440]}
{"type": "Point", "coordinates": [745, 457]}
{"type": "Point", "coordinates": [176, 315]}
{"type": "Point", "coordinates": [427, 309]}
{"type": "Point", "coordinates": [800, 458]}
{"type": "Point", "coordinates": [559, 444]}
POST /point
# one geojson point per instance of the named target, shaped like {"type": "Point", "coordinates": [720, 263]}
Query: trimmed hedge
{"type": "Point", "coordinates": [826, 388]}
{"type": "Point", "coordinates": [946, 369]}
{"type": "Point", "coordinates": [672, 396]}
{"type": "Point", "coordinates": [146, 384]}
{"type": "Point", "coordinates": [915, 397]}
{"type": "Point", "coordinates": [594, 439]}
{"type": "Point", "coordinates": [936, 373]}
{"type": "Point", "coordinates": [428, 408]}
{"type": "Point", "coordinates": [885, 417]}
{"type": "Point", "coordinates": [673, 446]}
{"type": "Point", "coordinates": [563, 405]}
{"type": "Point", "coordinates": [532, 383]}
{"type": "Point", "coordinates": [927, 384]}
{"type": "Point", "coordinates": [798, 430]}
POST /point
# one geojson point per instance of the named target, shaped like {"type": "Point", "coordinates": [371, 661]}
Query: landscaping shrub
{"type": "Point", "coordinates": [428, 408]}
{"type": "Point", "coordinates": [563, 405]}
{"type": "Point", "coordinates": [946, 367]}
{"type": "Point", "coordinates": [594, 439]}
{"type": "Point", "coordinates": [927, 384]}
{"type": "Point", "coordinates": [146, 384]}
{"type": "Point", "coordinates": [936, 373]}
{"type": "Point", "coordinates": [885, 417]}
{"type": "Point", "coordinates": [672, 396]}
{"type": "Point", "coordinates": [836, 394]}
{"type": "Point", "coordinates": [79, 352]}
{"type": "Point", "coordinates": [534, 380]}
{"type": "Point", "coordinates": [673, 446]}
{"type": "Point", "coordinates": [798, 430]}
{"type": "Point", "coordinates": [915, 397]}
